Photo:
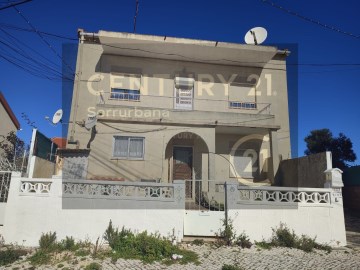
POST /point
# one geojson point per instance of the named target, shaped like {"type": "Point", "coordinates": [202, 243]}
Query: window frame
{"type": "Point", "coordinates": [125, 89]}
{"type": "Point", "coordinates": [128, 148]}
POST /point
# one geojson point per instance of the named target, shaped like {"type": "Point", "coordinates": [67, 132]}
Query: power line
{"type": "Point", "coordinates": [15, 4]}
{"type": "Point", "coordinates": [44, 40]}
{"type": "Point", "coordinates": [18, 28]}
{"type": "Point", "coordinates": [330, 27]}
{"type": "Point", "coordinates": [136, 14]}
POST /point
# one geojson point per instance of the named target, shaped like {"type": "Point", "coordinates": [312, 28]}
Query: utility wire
{"type": "Point", "coordinates": [14, 4]}
{"type": "Point", "coordinates": [44, 40]}
{"type": "Point", "coordinates": [18, 28]}
{"type": "Point", "coordinates": [330, 27]}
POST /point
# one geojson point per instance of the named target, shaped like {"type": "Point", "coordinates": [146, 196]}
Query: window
{"type": "Point", "coordinates": [128, 147]}
{"type": "Point", "coordinates": [125, 86]}
{"type": "Point", "coordinates": [184, 88]}
{"type": "Point", "coordinates": [242, 96]}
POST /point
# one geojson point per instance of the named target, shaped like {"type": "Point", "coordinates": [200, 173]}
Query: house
{"type": "Point", "coordinates": [8, 120]}
{"type": "Point", "coordinates": [163, 108]}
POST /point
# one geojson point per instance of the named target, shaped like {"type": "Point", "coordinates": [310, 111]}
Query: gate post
{"type": "Point", "coordinates": [230, 197]}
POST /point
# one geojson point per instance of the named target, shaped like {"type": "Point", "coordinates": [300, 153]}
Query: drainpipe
{"type": "Point", "coordinates": [82, 35]}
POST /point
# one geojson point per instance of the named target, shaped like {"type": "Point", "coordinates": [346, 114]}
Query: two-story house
{"type": "Point", "coordinates": [165, 108]}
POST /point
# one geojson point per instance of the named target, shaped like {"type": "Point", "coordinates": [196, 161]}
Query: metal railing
{"type": "Point", "coordinates": [5, 178]}
{"type": "Point", "coordinates": [204, 195]}
{"type": "Point", "coordinates": [183, 103]}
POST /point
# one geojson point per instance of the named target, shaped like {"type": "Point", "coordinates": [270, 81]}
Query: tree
{"type": "Point", "coordinates": [322, 140]}
{"type": "Point", "coordinates": [13, 149]}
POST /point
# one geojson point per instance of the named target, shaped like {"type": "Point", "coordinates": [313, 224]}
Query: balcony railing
{"type": "Point", "coordinates": [183, 103]}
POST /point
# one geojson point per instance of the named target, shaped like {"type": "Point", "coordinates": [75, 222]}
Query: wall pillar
{"type": "Point", "coordinates": [275, 160]}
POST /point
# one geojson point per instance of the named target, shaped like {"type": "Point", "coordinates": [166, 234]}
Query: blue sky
{"type": "Point", "coordinates": [328, 96]}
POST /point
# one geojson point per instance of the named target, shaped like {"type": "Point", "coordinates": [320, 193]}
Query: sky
{"type": "Point", "coordinates": [323, 93]}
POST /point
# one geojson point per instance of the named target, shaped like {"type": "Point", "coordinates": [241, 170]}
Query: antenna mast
{"type": "Point", "coordinates": [136, 13]}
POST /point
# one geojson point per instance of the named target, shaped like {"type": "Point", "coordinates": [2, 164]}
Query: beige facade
{"type": "Point", "coordinates": [169, 108]}
{"type": "Point", "coordinates": [8, 121]}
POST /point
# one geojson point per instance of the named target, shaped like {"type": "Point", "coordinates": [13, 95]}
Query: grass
{"type": "Point", "coordinates": [11, 255]}
{"type": "Point", "coordinates": [231, 267]}
{"type": "Point", "coordinates": [145, 247]}
{"type": "Point", "coordinates": [93, 266]}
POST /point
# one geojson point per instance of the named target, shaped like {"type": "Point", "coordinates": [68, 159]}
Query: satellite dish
{"type": "Point", "coordinates": [90, 122]}
{"type": "Point", "coordinates": [256, 35]}
{"type": "Point", "coordinates": [57, 116]}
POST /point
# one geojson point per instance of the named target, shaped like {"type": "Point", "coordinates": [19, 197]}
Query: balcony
{"type": "Point", "coordinates": [131, 107]}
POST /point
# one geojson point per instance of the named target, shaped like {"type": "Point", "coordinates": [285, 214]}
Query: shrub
{"type": "Point", "coordinates": [143, 246]}
{"type": "Point", "coordinates": [68, 244]}
{"type": "Point", "coordinates": [93, 266]}
{"type": "Point", "coordinates": [198, 242]}
{"type": "Point", "coordinates": [11, 255]}
{"type": "Point", "coordinates": [263, 244]}
{"type": "Point", "coordinates": [231, 267]}
{"type": "Point", "coordinates": [282, 237]}
{"type": "Point", "coordinates": [40, 257]}
{"type": "Point", "coordinates": [48, 241]}
{"type": "Point", "coordinates": [243, 241]}
{"type": "Point", "coordinates": [226, 235]}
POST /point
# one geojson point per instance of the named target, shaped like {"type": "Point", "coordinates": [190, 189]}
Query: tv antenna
{"type": "Point", "coordinates": [256, 36]}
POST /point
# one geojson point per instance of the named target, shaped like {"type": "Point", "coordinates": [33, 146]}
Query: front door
{"type": "Point", "coordinates": [182, 166]}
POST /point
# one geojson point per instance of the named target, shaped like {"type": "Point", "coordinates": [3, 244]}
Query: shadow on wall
{"type": "Point", "coordinates": [306, 172]}
{"type": "Point", "coordinates": [351, 189]}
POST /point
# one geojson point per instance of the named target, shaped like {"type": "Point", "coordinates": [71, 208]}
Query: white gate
{"type": "Point", "coordinates": [204, 207]}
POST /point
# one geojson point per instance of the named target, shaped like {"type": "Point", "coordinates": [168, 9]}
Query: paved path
{"type": "Point", "coordinates": [352, 224]}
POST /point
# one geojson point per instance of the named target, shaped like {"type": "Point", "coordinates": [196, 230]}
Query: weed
{"type": "Point", "coordinates": [198, 242]}
{"type": "Point", "coordinates": [231, 267]}
{"type": "Point", "coordinates": [48, 241]}
{"type": "Point", "coordinates": [144, 246]}
{"type": "Point", "coordinates": [11, 255]}
{"type": "Point", "coordinates": [93, 266]}
{"type": "Point", "coordinates": [60, 265]}
{"type": "Point", "coordinates": [40, 257]}
{"type": "Point", "coordinates": [243, 241]}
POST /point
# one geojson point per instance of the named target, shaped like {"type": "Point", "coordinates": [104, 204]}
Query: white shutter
{"type": "Point", "coordinates": [125, 81]}
{"type": "Point", "coordinates": [184, 88]}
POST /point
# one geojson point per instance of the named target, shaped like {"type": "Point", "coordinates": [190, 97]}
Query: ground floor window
{"type": "Point", "coordinates": [127, 147]}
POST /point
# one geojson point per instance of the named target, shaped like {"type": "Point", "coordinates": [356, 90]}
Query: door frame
{"type": "Point", "coordinates": [192, 160]}
{"type": "Point", "coordinates": [192, 166]}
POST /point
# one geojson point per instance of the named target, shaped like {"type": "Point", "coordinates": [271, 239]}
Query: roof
{"type": "Point", "coordinates": [183, 49]}
{"type": "Point", "coordinates": [9, 111]}
{"type": "Point", "coordinates": [60, 142]}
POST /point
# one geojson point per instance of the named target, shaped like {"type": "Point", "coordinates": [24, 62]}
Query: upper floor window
{"type": "Point", "coordinates": [127, 147]}
{"type": "Point", "coordinates": [184, 93]}
{"type": "Point", "coordinates": [125, 86]}
{"type": "Point", "coordinates": [242, 96]}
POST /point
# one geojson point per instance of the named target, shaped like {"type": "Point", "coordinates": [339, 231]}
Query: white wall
{"type": "Point", "coordinates": [2, 213]}
{"type": "Point", "coordinates": [31, 214]}
{"type": "Point", "coordinates": [323, 220]}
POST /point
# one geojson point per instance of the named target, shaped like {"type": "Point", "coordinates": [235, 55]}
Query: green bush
{"type": "Point", "coordinates": [143, 246]}
{"type": "Point", "coordinates": [243, 241]}
{"type": "Point", "coordinates": [93, 266]}
{"type": "Point", "coordinates": [68, 244]}
{"type": "Point", "coordinates": [48, 241]}
{"type": "Point", "coordinates": [231, 267]}
{"type": "Point", "coordinates": [198, 242]}
{"type": "Point", "coordinates": [283, 237]}
{"type": "Point", "coordinates": [263, 244]}
{"type": "Point", "coordinates": [11, 255]}
{"type": "Point", "coordinates": [40, 257]}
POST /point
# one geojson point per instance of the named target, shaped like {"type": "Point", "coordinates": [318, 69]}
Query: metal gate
{"type": "Point", "coordinates": [204, 207]}
{"type": "Point", "coordinates": [5, 178]}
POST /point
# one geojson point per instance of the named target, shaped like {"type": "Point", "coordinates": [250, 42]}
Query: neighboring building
{"type": "Point", "coordinates": [8, 120]}
{"type": "Point", "coordinates": [172, 108]}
